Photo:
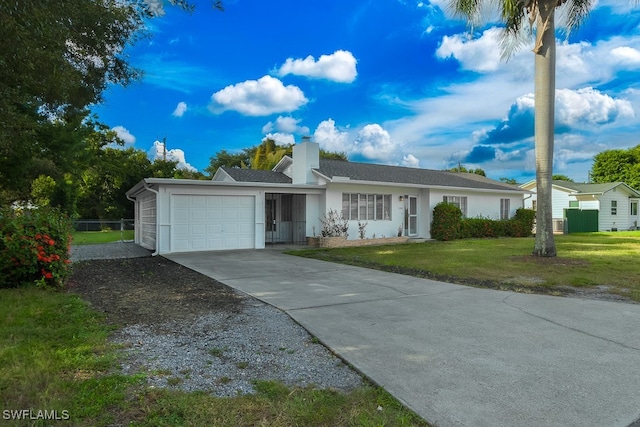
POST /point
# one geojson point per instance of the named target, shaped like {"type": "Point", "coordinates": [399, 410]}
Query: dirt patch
{"type": "Point", "coordinates": [151, 290]}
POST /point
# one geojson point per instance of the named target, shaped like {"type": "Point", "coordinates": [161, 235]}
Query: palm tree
{"type": "Point", "coordinates": [538, 14]}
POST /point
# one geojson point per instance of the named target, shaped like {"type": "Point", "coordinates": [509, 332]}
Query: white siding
{"type": "Point", "coordinates": [620, 221]}
{"type": "Point", "coordinates": [146, 221]}
{"type": "Point", "coordinates": [379, 228]}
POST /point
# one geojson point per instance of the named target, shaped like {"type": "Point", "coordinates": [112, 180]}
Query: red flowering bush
{"type": "Point", "coordinates": [34, 247]}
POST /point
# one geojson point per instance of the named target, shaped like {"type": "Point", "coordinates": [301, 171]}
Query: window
{"type": "Point", "coordinates": [574, 204]}
{"type": "Point", "coordinates": [534, 205]}
{"type": "Point", "coordinates": [366, 207]}
{"type": "Point", "coordinates": [459, 201]}
{"type": "Point", "coordinates": [614, 207]}
{"type": "Point", "coordinates": [505, 208]}
{"type": "Point", "coordinates": [634, 208]}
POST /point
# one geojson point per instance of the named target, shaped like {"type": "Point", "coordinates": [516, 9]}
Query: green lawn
{"type": "Point", "coordinates": [584, 260]}
{"type": "Point", "coordinates": [94, 237]}
{"type": "Point", "coordinates": [54, 356]}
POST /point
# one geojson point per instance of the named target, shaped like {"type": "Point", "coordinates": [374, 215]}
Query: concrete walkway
{"type": "Point", "coordinates": [458, 356]}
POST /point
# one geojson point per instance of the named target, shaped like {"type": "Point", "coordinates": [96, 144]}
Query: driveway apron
{"type": "Point", "coordinates": [456, 355]}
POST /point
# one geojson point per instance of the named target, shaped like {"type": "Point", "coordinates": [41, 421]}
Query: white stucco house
{"type": "Point", "coordinates": [615, 202]}
{"type": "Point", "coordinates": [247, 209]}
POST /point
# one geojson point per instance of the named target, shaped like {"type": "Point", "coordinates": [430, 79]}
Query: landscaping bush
{"type": "Point", "coordinates": [34, 247]}
{"type": "Point", "coordinates": [446, 222]}
{"type": "Point", "coordinates": [447, 225]}
{"type": "Point", "coordinates": [522, 222]}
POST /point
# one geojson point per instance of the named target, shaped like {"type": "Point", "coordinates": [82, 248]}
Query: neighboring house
{"type": "Point", "coordinates": [244, 208]}
{"type": "Point", "coordinates": [614, 204]}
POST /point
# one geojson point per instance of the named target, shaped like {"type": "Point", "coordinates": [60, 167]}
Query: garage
{"type": "Point", "coordinates": [212, 222]}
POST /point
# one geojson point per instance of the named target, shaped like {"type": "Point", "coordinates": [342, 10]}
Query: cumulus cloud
{"type": "Point", "coordinates": [285, 124]}
{"type": "Point", "coordinates": [410, 161]}
{"type": "Point", "coordinates": [575, 110]}
{"type": "Point", "coordinates": [626, 55]}
{"type": "Point", "coordinates": [375, 143]}
{"type": "Point", "coordinates": [280, 138]}
{"type": "Point", "coordinates": [481, 55]}
{"type": "Point", "coordinates": [262, 97]}
{"type": "Point", "coordinates": [588, 106]}
{"type": "Point", "coordinates": [181, 108]}
{"type": "Point", "coordinates": [330, 138]}
{"type": "Point", "coordinates": [124, 134]}
{"type": "Point", "coordinates": [157, 152]}
{"type": "Point", "coordinates": [339, 67]}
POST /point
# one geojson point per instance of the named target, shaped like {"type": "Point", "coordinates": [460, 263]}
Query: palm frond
{"type": "Point", "coordinates": [576, 12]}
{"type": "Point", "coordinates": [467, 9]}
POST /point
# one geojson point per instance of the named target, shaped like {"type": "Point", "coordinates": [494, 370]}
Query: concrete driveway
{"type": "Point", "coordinates": [457, 356]}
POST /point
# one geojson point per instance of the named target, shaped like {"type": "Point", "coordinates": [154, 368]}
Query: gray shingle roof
{"type": "Point", "coordinates": [252, 175]}
{"type": "Point", "coordinates": [582, 187]}
{"type": "Point", "coordinates": [404, 175]}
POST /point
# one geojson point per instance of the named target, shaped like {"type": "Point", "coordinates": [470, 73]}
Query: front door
{"type": "Point", "coordinates": [270, 219]}
{"type": "Point", "coordinates": [411, 215]}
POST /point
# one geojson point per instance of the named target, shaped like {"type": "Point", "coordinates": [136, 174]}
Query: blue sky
{"type": "Point", "coordinates": [387, 81]}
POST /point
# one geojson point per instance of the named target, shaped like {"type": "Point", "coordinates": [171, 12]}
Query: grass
{"type": "Point", "coordinates": [584, 260]}
{"type": "Point", "coordinates": [96, 237]}
{"type": "Point", "coordinates": [54, 356]}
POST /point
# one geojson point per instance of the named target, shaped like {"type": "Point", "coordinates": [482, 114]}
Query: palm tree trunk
{"type": "Point", "coordinates": [545, 87]}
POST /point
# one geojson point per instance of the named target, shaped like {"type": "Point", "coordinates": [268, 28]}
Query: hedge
{"type": "Point", "coordinates": [448, 224]}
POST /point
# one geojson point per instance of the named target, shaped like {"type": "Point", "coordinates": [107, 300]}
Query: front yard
{"type": "Point", "coordinates": [606, 263]}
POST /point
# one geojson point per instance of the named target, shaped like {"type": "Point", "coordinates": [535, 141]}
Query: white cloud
{"type": "Point", "coordinates": [339, 67]}
{"type": "Point", "coordinates": [156, 7]}
{"type": "Point", "coordinates": [181, 108]}
{"type": "Point", "coordinates": [375, 143]}
{"type": "Point", "coordinates": [261, 97]}
{"type": "Point", "coordinates": [589, 107]}
{"type": "Point", "coordinates": [481, 55]}
{"type": "Point", "coordinates": [626, 55]}
{"type": "Point", "coordinates": [410, 161]}
{"type": "Point", "coordinates": [157, 152]}
{"type": "Point", "coordinates": [330, 138]}
{"type": "Point", "coordinates": [280, 138]}
{"type": "Point", "coordinates": [287, 125]}
{"type": "Point", "coordinates": [124, 134]}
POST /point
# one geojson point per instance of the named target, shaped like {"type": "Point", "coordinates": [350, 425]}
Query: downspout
{"type": "Point", "coordinates": [147, 187]}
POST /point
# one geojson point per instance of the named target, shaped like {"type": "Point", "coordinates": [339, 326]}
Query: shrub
{"type": "Point", "coordinates": [522, 223]}
{"type": "Point", "coordinates": [334, 225]}
{"type": "Point", "coordinates": [34, 247]}
{"type": "Point", "coordinates": [446, 221]}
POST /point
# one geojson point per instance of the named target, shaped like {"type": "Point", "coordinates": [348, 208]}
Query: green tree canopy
{"type": "Point", "coordinates": [461, 168]}
{"type": "Point", "coordinates": [559, 177]}
{"type": "Point", "coordinates": [264, 156]}
{"type": "Point", "coordinates": [617, 166]}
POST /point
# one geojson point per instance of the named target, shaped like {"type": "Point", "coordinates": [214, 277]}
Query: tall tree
{"type": "Point", "coordinates": [461, 168]}
{"type": "Point", "coordinates": [538, 14]}
{"type": "Point", "coordinates": [617, 166]}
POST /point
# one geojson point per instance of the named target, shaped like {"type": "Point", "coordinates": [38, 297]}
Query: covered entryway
{"type": "Point", "coordinates": [284, 218]}
{"type": "Point", "coordinates": [212, 222]}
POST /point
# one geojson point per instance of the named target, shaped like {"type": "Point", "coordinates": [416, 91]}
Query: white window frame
{"type": "Point", "coordinates": [366, 207]}
{"type": "Point", "coordinates": [614, 207]}
{"type": "Point", "coordinates": [505, 208]}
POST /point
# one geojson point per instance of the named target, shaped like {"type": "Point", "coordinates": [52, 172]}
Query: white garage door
{"type": "Point", "coordinates": [202, 223]}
